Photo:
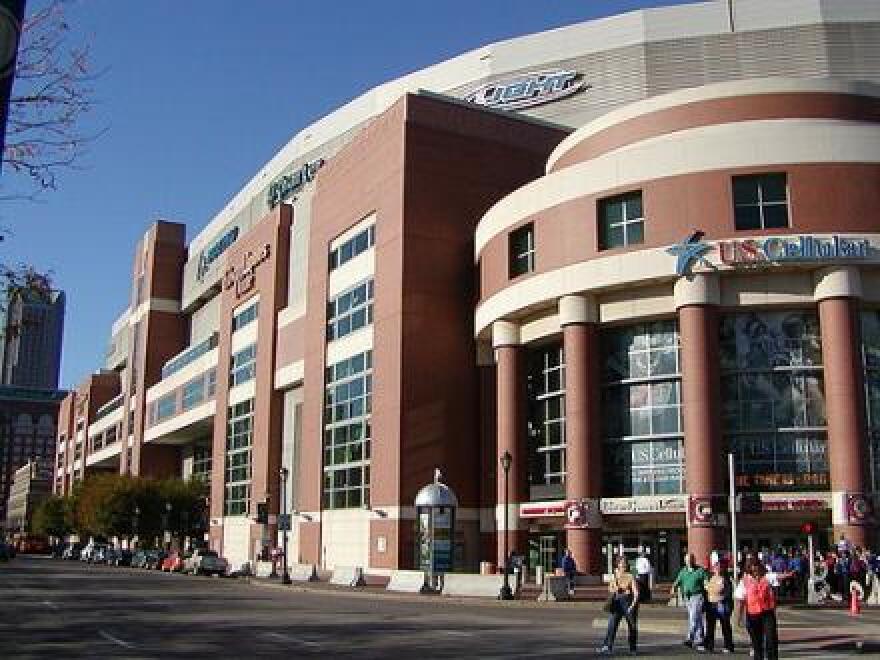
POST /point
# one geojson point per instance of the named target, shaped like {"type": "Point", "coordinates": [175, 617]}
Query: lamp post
{"type": "Point", "coordinates": [506, 460]}
{"type": "Point", "coordinates": [285, 574]}
{"type": "Point", "coordinates": [167, 525]}
{"type": "Point", "coordinates": [134, 525]}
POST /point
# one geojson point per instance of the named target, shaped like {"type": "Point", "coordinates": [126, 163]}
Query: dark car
{"type": "Point", "coordinates": [139, 559]}
{"type": "Point", "coordinates": [123, 558]}
{"type": "Point", "coordinates": [154, 559]}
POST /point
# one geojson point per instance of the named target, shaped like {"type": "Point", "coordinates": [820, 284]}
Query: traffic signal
{"type": "Point", "coordinates": [808, 528]}
{"type": "Point", "coordinates": [263, 513]}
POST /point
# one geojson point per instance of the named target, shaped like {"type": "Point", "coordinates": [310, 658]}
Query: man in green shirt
{"type": "Point", "coordinates": [691, 580]}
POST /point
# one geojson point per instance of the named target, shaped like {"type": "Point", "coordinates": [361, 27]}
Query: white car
{"type": "Point", "coordinates": [92, 552]}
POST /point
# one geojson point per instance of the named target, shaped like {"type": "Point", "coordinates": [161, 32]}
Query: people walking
{"type": "Point", "coordinates": [643, 576]}
{"type": "Point", "coordinates": [623, 602]}
{"type": "Point", "coordinates": [569, 567]}
{"type": "Point", "coordinates": [719, 607]}
{"type": "Point", "coordinates": [760, 612]}
{"type": "Point", "coordinates": [691, 581]}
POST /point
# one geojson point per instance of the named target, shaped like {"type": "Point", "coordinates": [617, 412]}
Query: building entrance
{"type": "Point", "coordinates": [663, 548]}
{"type": "Point", "coordinates": [545, 550]}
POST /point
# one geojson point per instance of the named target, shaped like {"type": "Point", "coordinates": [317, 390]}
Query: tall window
{"type": "Point", "coordinates": [245, 316]}
{"type": "Point", "coordinates": [521, 248]}
{"type": "Point", "coordinates": [773, 400]}
{"type": "Point", "coordinates": [201, 467]}
{"type": "Point", "coordinates": [243, 365]}
{"type": "Point", "coordinates": [546, 392]}
{"type": "Point", "coordinates": [621, 221]}
{"type": "Point", "coordinates": [760, 201]}
{"type": "Point", "coordinates": [194, 392]}
{"type": "Point", "coordinates": [347, 432]}
{"type": "Point", "coordinates": [350, 311]}
{"type": "Point", "coordinates": [641, 410]}
{"type": "Point", "coordinates": [166, 407]}
{"type": "Point", "coordinates": [871, 361]}
{"type": "Point", "coordinates": [239, 440]}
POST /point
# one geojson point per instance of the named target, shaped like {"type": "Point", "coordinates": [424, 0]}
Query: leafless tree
{"type": "Point", "coordinates": [51, 94]}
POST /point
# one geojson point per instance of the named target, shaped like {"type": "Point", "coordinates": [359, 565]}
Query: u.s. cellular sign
{"type": "Point", "coordinates": [526, 90]}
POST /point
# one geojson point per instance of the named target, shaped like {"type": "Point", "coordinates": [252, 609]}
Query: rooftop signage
{"type": "Point", "coordinates": [527, 90]}
{"type": "Point", "coordinates": [218, 247]}
{"type": "Point", "coordinates": [285, 186]}
{"type": "Point", "coordinates": [694, 251]}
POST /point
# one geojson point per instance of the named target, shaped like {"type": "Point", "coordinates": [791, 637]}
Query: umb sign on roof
{"type": "Point", "coordinates": [527, 89]}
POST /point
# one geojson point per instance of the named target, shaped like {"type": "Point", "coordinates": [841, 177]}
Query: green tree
{"type": "Point", "coordinates": [51, 517]}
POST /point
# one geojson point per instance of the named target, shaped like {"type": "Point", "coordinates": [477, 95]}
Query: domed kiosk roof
{"type": "Point", "coordinates": [436, 495]}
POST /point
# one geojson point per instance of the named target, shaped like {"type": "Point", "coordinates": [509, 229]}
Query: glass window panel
{"type": "Point", "coordinates": [634, 206]}
{"type": "Point", "coordinates": [775, 216]}
{"type": "Point", "coordinates": [747, 217]}
{"type": "Point", "coordinates": [635, 233]}
{"type": "Point", "coordinates": [614, 236]}
{"type": "Point", "coordinates": [745, 190]}
{"type": "Point", "coordinates": [773, 188]}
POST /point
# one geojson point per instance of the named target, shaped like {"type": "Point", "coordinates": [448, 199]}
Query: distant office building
{"type": "Point", "coordinates": [33, 325]}
{"type": "Point", "coordinates": [28, 428]}
{"type": "Point", "coordinates": [30, 486]}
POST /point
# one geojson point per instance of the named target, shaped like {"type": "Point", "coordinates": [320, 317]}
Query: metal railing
{"type": "Point", "coordinates": [189, 355]}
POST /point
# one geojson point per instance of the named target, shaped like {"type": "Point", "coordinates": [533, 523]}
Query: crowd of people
{"type": "Point", "coordinates": [714, 597]}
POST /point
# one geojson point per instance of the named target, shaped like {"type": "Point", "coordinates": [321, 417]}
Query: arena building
{"type": "Point", "coordinates": [617, 251]}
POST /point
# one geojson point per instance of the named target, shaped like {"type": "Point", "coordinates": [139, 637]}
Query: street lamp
{"type": "Point", "coordinates": [285, 575]}
{"type": "Point", "coordinates": [167, 525]}
{"type": "Point", "coordinates": [506, 461]}
{"type": "Point", "coordinates": [134, 524]}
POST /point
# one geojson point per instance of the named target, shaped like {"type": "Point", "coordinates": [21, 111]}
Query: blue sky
{"type": "Point", "coordinates": [198, 94]}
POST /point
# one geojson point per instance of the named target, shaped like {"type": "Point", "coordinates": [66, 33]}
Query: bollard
{"type": "Point", "coordinates": [856, 593]}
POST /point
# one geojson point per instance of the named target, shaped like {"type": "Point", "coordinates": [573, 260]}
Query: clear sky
{"type": "Point", "coordinates": [199, 94]}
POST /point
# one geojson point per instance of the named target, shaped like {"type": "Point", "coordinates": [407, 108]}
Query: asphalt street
{"type": "Point", "coordinates": [55, 609]}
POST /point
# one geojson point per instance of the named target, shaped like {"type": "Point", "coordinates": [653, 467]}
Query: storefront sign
{"type": "Point", "coordinates": [644, 504]}
{"type": "Point", "coordinates": [543, 509]}
{"type": "Point", "coordinates": [794, 504]}
{"type": "Point", "coordinates": [218, 247]}
{"type": "Point", "coordinates": [859, 509]}
{"type": "Point", "coordinates": [693, 251]}
{"type": "Point", "coordinates": [527, 90]}
{"type": "Point", "coordinates": [243, 277]}
{"type": "Point", "coordinates": [287, 185]}
{"type": "Point", "coordinates": [583, 514]}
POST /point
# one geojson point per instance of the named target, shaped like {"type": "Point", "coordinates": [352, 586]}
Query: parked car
{"type": "Point", "coordinates": [205, 562]}
{"type": "Point", "coordinates": [154, 559]}
{"type": "Point", "coordinates": [139, 559]}
{"type": "Point", "coordinates": [72, 551]}
{"type": "Point", "coordinates": [123, 558]}
{"type": "Point", "coordinates": [105, 555]}
{"type": "Point", "coordinates": [91, 551]}
{"type": "Point", "coordinates": [173, 563]}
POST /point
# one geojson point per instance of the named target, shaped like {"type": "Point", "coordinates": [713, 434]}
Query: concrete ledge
{"type": "Point", "coordinates": [412, 582]}
{"type": "Point", "coordinates": [471, 584]}
{"type": "Point", "coordinates": [304, 572]}
{"type": "Point", "coordinates": [348, 576]}
{"type": "Point", "coordinates": [555, 588]}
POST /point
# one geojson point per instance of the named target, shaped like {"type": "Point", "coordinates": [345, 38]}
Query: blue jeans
{"type": "Point", "coordinates": [695, 619]}
{"type": "Point", "coordinates": [620, 610]}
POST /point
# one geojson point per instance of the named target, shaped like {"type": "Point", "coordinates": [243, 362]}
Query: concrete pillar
{"type": "Point", "coordinates": [837, 293]}
{"type": "Point", "coordinates": [510, 426]}
{"type": "Point", "coordinates": [578, 316]}
{"type": "Point", "coordinates": [696, 299]}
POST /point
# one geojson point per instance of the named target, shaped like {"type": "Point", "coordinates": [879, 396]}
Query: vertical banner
{"type": "Point", "coordinates": [11, 14]}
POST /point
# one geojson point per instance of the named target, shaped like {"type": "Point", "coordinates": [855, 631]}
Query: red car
{"type": "Point", "coordinates": [173, 563]}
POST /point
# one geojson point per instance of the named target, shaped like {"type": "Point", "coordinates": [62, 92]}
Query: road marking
{"type": "Point", "coordinates": [115, 640]}
{"type": "Point", "coordinates": [290, 638]}
{"type": "Point", "coordinates": [50, 604]}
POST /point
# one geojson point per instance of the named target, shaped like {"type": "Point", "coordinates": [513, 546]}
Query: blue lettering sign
{"type": "Point", "coordinates": [208, 256]}
{"type": "Point", "coordinates": [527, 90]}
{"type": "Point", "coordinates": [285, 186]}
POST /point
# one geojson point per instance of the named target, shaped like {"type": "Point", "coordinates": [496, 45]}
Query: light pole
{"type": "Point", "coordinates": [285, 574]}
{"type": "Point", "coordinates": [167, 525]}
{"type": "Point", "coordinates": [506, 460]}
{"type": "Point", "coordinates": [134, 525]}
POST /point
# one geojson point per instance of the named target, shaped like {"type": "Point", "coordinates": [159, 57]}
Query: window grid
{"type": "Point", "coordinates": [243, 365]}
{"type": "Point", "coordinates": [193, 392]}
{"type": "Point", "coordinates": [353, 247]}
{"type": "Point", "coordinates": [347, 432]}
{"type": "Point", "coordinates": [546, 387]}
{"type": "Point", "coordinates": [522, 251]}
{"type": "Point", "coordinates": [201, 466]}
{"type": "Point", "coordinates": [642, 430]}
{"type": "Point", "coordinates": [621, 221]}
{"type": "Point", "coordinates": [773, 400]}
{"type": "Point", "coordinates": [239, 440]}
{"type": "Point", "coordinates": [760, 201]}
{"type": "Point", "coordinates": [166, 407]}
{"type": "Point", "coordinates": [350, 310]}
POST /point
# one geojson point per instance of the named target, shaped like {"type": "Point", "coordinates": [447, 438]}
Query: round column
{"type": "Point", "coordinates": [837, 292]}
{"type": "Point", "coordinates": [510, 429]}
{"type": "Point", "coordinates": [696, 299]}
{"type": "Point", "coordinates": [578, 316]}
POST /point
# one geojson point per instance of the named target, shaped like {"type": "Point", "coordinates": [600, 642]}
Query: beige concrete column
{"type": "Point", "coordinates": [510, 429]}
{"type": "Point", "coordinates": [837, 293]}
{"type": "Point", "coordinates": [578, 316]}
{"type": "Point", "coordinates": [696, 299]}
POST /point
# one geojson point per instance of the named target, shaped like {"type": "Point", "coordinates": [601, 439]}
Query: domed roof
{"type": "Point", "coordinates": [436, 494]}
